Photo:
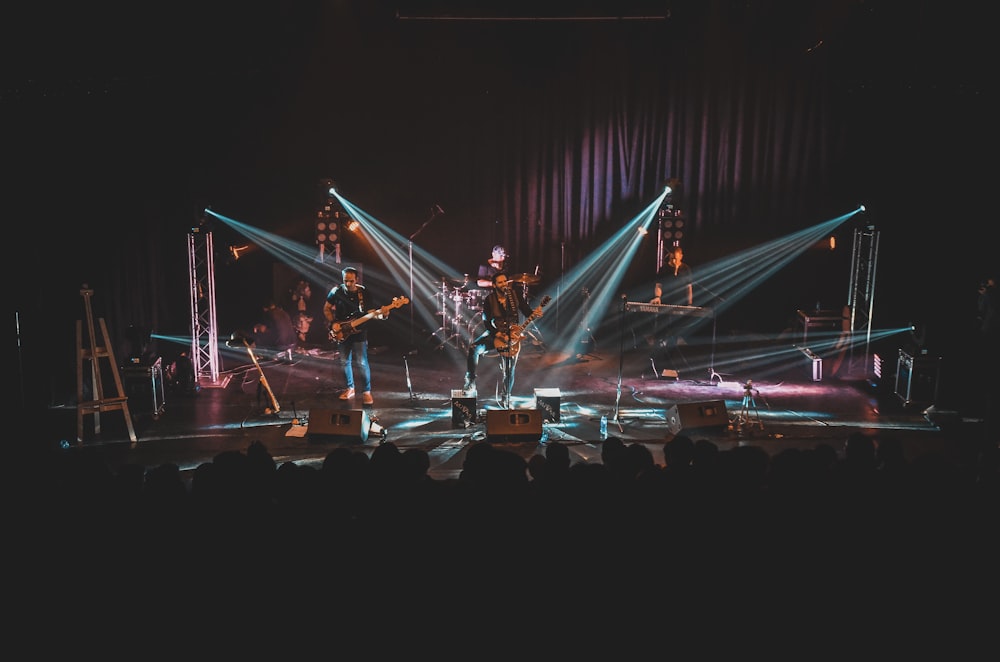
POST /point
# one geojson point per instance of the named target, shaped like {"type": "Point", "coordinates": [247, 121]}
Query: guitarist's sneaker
{"type": "Point", "coordinates": [470, 383]}
{"type": "Point", "coordinates": [366, 398]}
{"type": "Point", "coordinates": [347, 394]}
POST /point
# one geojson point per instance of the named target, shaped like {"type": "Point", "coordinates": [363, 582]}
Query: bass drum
{"type": "Point", "coordinates": [474, 326]}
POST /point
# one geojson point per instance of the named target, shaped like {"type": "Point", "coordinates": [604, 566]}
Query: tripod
{"type": "Point", "coordinates": [748, 416]}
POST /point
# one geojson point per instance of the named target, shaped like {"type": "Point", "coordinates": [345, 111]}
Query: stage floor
{"type": "Point", "coordinates": [414, 402]}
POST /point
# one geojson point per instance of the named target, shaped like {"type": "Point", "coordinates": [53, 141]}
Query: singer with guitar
{"type": "Point", "coordinates": [501, 311]}
{"type": "Point", "coordinates": [346, 303]}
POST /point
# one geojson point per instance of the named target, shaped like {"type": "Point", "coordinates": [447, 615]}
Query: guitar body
{"type": "Point", "coordinates": [344, 329]}
{"type": "Point", "coordinates": [509, 344]}
{"type": "Point", "coordinates": [341, 331]}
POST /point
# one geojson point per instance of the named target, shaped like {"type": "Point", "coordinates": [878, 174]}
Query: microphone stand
{"type": "Point", "coordinates": [712, 374]}
{"type": "Point", "coordinates": [409, 384]}
{"type": "Point", "coordinates": [434, 213]}
{"type": "Point", "coordinates": [621, 360]}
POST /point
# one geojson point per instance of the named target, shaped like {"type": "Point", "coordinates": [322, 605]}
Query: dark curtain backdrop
{"type": "Point", "coordinates": [543, 136]}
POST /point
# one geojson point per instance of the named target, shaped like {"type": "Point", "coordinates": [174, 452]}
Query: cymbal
{"type": "Point", "coordinates": [525, 279]}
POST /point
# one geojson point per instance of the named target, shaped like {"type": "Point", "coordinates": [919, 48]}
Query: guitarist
{"type": "Point", "coordinates": [502, 309]}
{"type": "Point", "coordinates": [345, 302]}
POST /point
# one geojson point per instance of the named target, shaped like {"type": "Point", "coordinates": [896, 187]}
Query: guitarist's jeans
{"type": "Point", "coordinates": [356, 347]}
{"type": "Point", "coordinates": [479, 346]}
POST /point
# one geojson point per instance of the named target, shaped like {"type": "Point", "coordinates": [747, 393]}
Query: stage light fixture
{"type": "Point", "coordinates": [353, 225]}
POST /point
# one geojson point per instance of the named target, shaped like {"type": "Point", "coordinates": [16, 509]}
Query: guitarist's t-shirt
{"type": "Point", "coordinates": [349, 305]}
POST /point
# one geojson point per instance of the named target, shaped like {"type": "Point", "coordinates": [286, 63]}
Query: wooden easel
{"type": "Point", "coordinates": [92, 352]}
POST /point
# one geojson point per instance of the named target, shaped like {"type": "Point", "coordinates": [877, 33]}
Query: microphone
{"type": "Point", "coordinates": [438, 209]}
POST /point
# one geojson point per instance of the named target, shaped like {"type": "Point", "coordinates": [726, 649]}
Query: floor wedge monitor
{"type": "Point", "coordinates": [690, 417]}
{"type": "Point", "coordinates": [344, 425]}
{"type": "Point", "coordinates": [513, 425]}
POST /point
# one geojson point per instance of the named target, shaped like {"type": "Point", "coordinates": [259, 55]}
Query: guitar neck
{"type": "Point", "coordinates": [536, 312]}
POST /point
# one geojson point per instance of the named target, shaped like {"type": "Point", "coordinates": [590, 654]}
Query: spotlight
{"type": "Point", "coordinates": [672, 186]}
{"type": "Point", "coordinates": [353, 225]}
{"type": "Point", "coordinates": [862, 208]}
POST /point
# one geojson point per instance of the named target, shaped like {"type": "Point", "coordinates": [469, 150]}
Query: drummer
{"type": "Point", "coordinates": [493, 266]}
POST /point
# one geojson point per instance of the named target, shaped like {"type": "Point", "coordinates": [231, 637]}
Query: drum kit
{"type": "Point", "coordinates": [460, 308]}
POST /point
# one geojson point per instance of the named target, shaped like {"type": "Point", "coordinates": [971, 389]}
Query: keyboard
{"type": "Point", "coordinates": [667, 309]}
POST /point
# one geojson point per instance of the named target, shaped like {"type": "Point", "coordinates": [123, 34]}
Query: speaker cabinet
{"type": "Point", "coordinates": [345, 425]}
{"type": "Point", "coordinates": [693, 416]}
{"type": "Point", "coordinates": [513, 425]}
{"type": "Point", "coordinates": [463, 409]}
{"type": "Point", "coordinates": [547, 402]}
{"type": "Point", "coordinates": [917, 378]}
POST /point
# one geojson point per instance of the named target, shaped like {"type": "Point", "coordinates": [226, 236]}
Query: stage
{"type": "Point", "coordinates": [558, 396]}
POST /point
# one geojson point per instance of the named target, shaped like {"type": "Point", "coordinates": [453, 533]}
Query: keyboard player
{"type": "Point", "coordinates": [674, 281]}
{"type": "Point", "coordinates": [674, 286]}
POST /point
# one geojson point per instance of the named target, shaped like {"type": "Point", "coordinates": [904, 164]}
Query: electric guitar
{"type": "Point", "coordinates": [509, 344]}
{"type": "Point", "coordinates": [340, 331]}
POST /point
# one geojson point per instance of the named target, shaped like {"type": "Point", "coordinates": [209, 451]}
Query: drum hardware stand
{"type": "Point", "coordinates": [456, 322]}
{"type": "Point", "coordinates": [748, 416]}
{"type": "Point", "coordinates": [443, 312]}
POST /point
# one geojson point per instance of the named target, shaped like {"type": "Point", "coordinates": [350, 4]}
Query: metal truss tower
{"type": "Point", "coordinates": [861, 291]}
{"type": "Point", "coordinates": [204, 333]}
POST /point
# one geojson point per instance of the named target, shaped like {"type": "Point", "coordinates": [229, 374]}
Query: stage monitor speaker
{"type": "Point", "coordinates": [345, 425]}
{"type": "Point", "coordinates": [688, 417]}
{"type": "Point", "coordinates": [513, 425]}
{"type": "Point", "coordinates": [463, 408]}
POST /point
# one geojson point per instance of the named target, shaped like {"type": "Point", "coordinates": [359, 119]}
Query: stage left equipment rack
{"type": "Point", "coordinates": [90, 355]}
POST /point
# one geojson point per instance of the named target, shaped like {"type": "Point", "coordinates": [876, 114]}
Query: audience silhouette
{"type": "Point", "coordinates": [797, 512]}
